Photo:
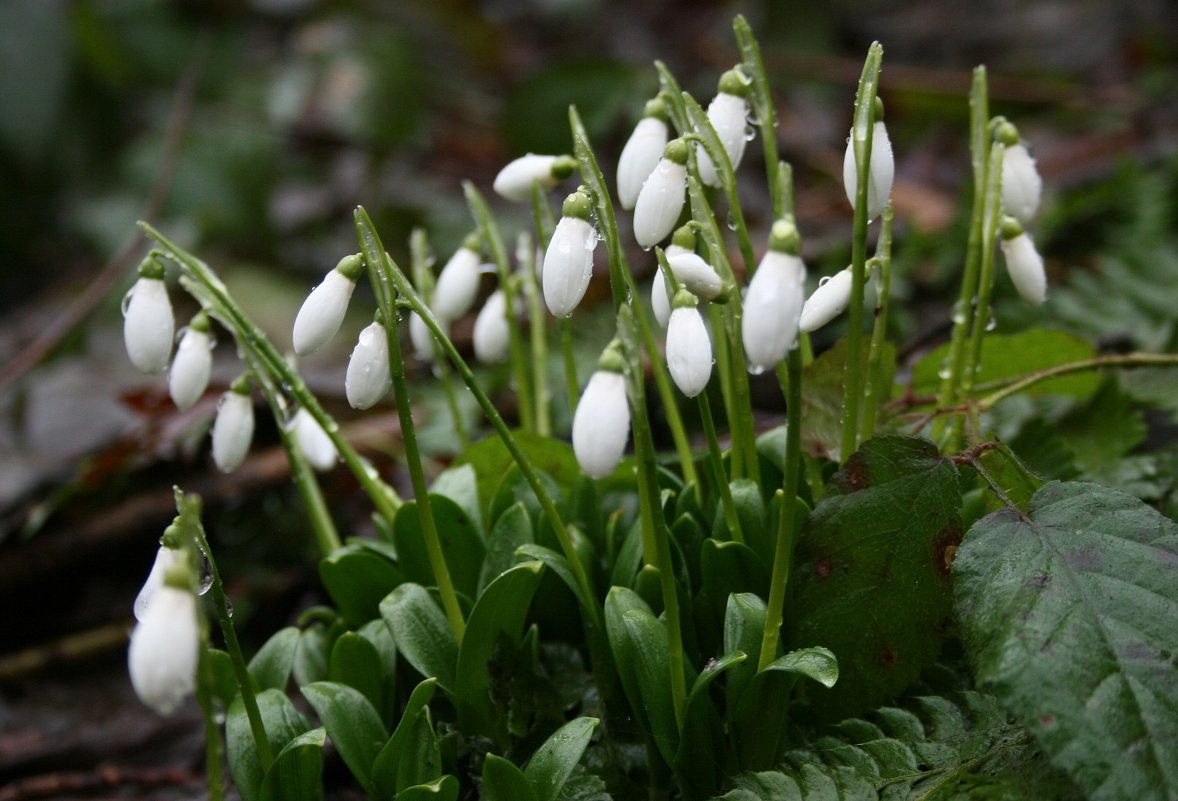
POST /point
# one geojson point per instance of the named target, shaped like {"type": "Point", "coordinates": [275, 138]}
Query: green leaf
{"type": "Point", "coordinates": [311, 655]}
{"type": "Point", "coordinates": [272, 664]}
{"type": "Point", "coordinates": [500, 610]}
{"type": "Point", "coordinates": [646, 649]}
{"type": "Point", "coordinates": [871, 570]}
{"type": "Point", "coordinates": [462, 545]}
{"type": "Point", "coordinates": [443, 789]}
{"type": "Point", "coordinates": [297, 772]}
{"type": "Point", "coordinates": [224, 678]}
{"type": "Point", "coordinates": [744, 626]}
{"type": "Point", "coordinates": [491, 460]}
{"type": "Point", "coordinates": [1070, 614]}
{"type": "Point", "coordinates": [421, 632]}
{"type": "Point", "coordinates": [1102, 431]}
{"type": "Point", "coordinates": [750, 509]}
{"type": "Point", "coordinates": [503, 781]}
{"type": "Point", "coordinates": [618, 602]}
{"type": "Point", "coordinates": [377, 633]}
{"type": "Point", "coordinates": [550, 767]}
{"type": "Point", "coordinates": [699, 760]}
{"type": "Point", "coordinates": [557, 564]}
{"type": "Point", "coordinates": [356, 663]}
{"type": "Point", "coordinates": [726, 568]}
{"type": "Point", "coordinates": [357, 579]}
{"type": "Point", "coordinates": [461, 485]}
{"type": "Point", "coordinates": [396, 766]}
{"type": "Point", "coordinates": [822, 396]}
{"type": "Point", "coordinates": [511, 530]}
{"type": "Point", "coordinates": [353, 725]}
{"type": "Point", "coordinates": [282, 723]}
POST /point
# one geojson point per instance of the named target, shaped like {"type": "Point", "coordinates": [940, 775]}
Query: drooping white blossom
{"type": "Point", "coordinates": [772, 309]}
{"type": "Point", "coordinates": [728, 112]}
{"type": "Point", "coordinates": [323, 311]}
{"type": "Point", "coordinates": [660, 201]}
{"type": "Point", "coordinates": [829, 300]}
{"type": "Point", "coordinates": [880, 176]}
{"type": "Point", "coordinates": [639, 157]}
{"type": "Point", "coordinates": [1021, 185]}
{"type": "Point", "coordinates": [689, 350]}
{"type": "Point", "coordinates": [492, 337]}
{"type": "Point", "coordinates": [189, 375]}
{"type": "Point", "coordinates": [367, 379]}
{"type": "Point", "coordinates": [165, 649]}
{"type": "Point", "coordinates": [148, 325]}
{"type": "Point", "coordinates": [458, 285]}
{"type": "Point", "coordinates": [165, 557]}
{"type": "Point", "coordinates": [1024, 264]}
{"type": "Point", "coordinates": [697, 276]}
{"type": "Point", "coordinates": [233, 429]}
{"type": "Point", "coordinates": [568, 261]}
{"type": "Point", "coordinates": [422, 339]}
{"type": "Point", "coordinates": [514, 182]}
{"type": "Point", "coordinates": [601, 424]}
{"type": "Point", "coordinates": [314, 442]}
{"type": "Point", "coordinates": [660, 302]}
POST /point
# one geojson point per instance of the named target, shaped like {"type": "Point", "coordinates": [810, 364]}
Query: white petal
{"type": "Point", "coordinates": [164, 558]}
{"type": "Point", "coordinates": [659, 203]}
{"type": "Point", "coordinates": [729, 116]}
{"type": "Point", "coordinates": [189, 375]}
{"type": "Point", "coordinates": [314, 442]}
{"type": "Point", "coordinates": [659, 302]}
{"type": "Point", "coordinates": [1025, 266]}
{"type": "Point", "coordinates": [233, 430]}
{"type": "Point", "coordinates": [689, 351]}
{"type": "Point", "coordinates": [425, 347]}
{"type": "Point", "coordinates": [514, 182]}
{"type": "Point", "coordinates": [696, 275]}
{"type": "Point", "coordinates": [165, 647]}
{"type": "Point", "coordinates": [148, 327]}
{"type": "Point", "coordinates": [639, 157]}
{"type": "Point", "coordinates": [568, 265]}
{"type": "Point", "coordinates": [828, 301]}
{"type": "Point", "coordinates": [458, 285]}
{"type": "Point", "coordinates": [367, 379]}
{"type": "Point", "coordinates": [1021, 184]}
{"type": "Point", "coordinates": [492, 337]}
{"type": "Point", "coordinates": [601, 424]}
{"type": "Point", "coordinates": [772, 308]}
{"type": "Point", "coordinates": [881, 174]}
{"type": "Point", "coordinates": [322, 313]}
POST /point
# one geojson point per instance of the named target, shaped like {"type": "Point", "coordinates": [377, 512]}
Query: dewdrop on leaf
{"type": "Point", "coordinates": [728, 112]}
{"type": "Point", "coordinates": [642, 152]}
{"type": "Point", "coordinates": [148, 326]}
{"type": "Point", "coordinates": [829, 300]}
{"type": "Point", "coordinates": [568, 262]}
{"type": "Point", "coordinates": [367, 379]}
{"type": "Point", "coordinates": [492, 337]}
{"type": "Point", "coordinates": [881, 172]}
{"type": "Point", "coordinates": [189, 375]}
{"type": "Point", "coordinates": [773, 304]}
{"type": "Point", "coordinates": [233, 429]}
{"type": "Point", "coordinates": [514, 182]}
{"type": "Point", "coordinates": [1023, 262]}
{"type": "Point", "coordinates": [323, 311]}
{"type": "Point", "coordinates": [601, 424]}
{"type": "Point", "coordinates": [689, 349]}
{"type": "Point", "coordinates": [661, 198]}
{"type": "Point", "coordinates": [314, 442]}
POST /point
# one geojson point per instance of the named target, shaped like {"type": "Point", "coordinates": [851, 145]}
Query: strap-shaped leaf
{"type": "Point", "coordinates": [357, 578]}
{"type": "Point", "coordinates": [282, 723]}
{"type": "Point", "coordinates": [422, 635]}
{"type": "Point", "coordinates": [386, 769]}
{"type": "Point", "coordinates": [356, 663]}
{"type": "Point", "coordinates": [503, 781]}
{"type": "Point", "coordinates": [353, 725]}
{"type": "Point", "coordinates": [1070, 614]}
{"type": "Point", "coordinates": [442, 789]}
{"type": "Point", "coordinates": [462, 544]}
{"type": "Point", "coordinates": [297, 772]}
{"type": "Point", "coordinates": [699, 760]}
{"type": "Point", "coordinates": [554, 761]}
{"type": "Point", "coordinates": [273, 662]}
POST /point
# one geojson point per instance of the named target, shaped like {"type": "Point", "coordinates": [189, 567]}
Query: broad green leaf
{"type": "Point", "coordinates": [1102, 431]}
{"type": "Point", "coordinates": [699, 760]}
{"type": "Point", "coordinates": [377, 633]}
{"type": "Point", "coordinates": [646, 645]}
{"type": "Point", "coordinates": [503, 781]}
{"type": "Point", "coordinates": [460, 485]}
{"type": "Point", "coordinates": [550, 767]}
{"type": "Point", "coordinates": [386, 768]}
{"type": "Point", "coordinates": [871, 570]}
{"type": "Point", "coordinates": [357, 578]}
{"type": "Point", "coordinates": [224, 678]}
{"type": "Point", "coordinates": [500, 610]}
{"type": "Point", "coordinates": [618, 602]}
{"type": "Point", "coordinates": [353, 725]}
{"type": "Point", "coordinates": [751, 511]}
{"type": "Point", "coordinates": [355, 662]}
{"type": "Point", "coordinates": [726, 567]}
{"type": "Point", "coordinates": [1070, 614]}
{"type": "Point", "coordinates": [557, 564]}
{"type": "Point", "coordinates": [311, 655]}
{"type": "Point", "coordinates": [491, 461]}
{"type": "Point", "coordinates": [822, 396]}
{"type": "Point", "coordinates": [282, 723]}
{"type": "Point", "coordinates": [511, 530]}
{"type": "Point", "coordinates": [443, 789]}
{"type": "Point", "coordinates": [744, 626]}
{"type": "Point", "coordinates": [462, 545]}
{"type": "Point", "coordinates": [273, 662]}
{"type": "Point", "coordinates": [421, 632]}
{"type": "Point", "coordinates": [297, 772]}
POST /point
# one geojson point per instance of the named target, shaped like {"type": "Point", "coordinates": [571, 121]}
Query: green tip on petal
{"type": "Point", "coordinates": [151, 267]}
{"type": "Point", "coordinates": [350, 267]}
{"type": "Point", "coordinates": [578, 205]}
{"type": "Point", "coordinates": [684, 237]}
{"type": "Point", "coordinates": [656, 107]}
{"type": "Point", "coordinates": [613, 358]}
{"type": "Point", "coordinates": [784, 237]}
{"type": "Point", "coordinates": [200, 322]}
{"type": "Point", "coordinates": [735, 82]}
{"type": "Point", "coordinates": [676, 151]}
{"type": "Point", "coordinates": [877, 109]}
{"type": "Point", "coordinates": [473, 242]}
{"type": "Point", "coordinates": [242, 385]}
{"type": "Point", "coordinates": [563, 167]}
{"type": "Point", "coordinates": [1006, 133]}
{"type": "Point", "coordinates": [1011, 227]}
{"type": "Point", "coordinates": [684, 300]}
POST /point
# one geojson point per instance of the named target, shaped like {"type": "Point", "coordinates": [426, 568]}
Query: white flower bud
{"type": "Point", "coordinates": [322, 312]}
{"type": "Point", "coordinates": [689, 351]}
{"type": "Point", "coordinates": [189, 375]}
{"type": "Point", "coordinates": [697, 276]}
{"type": "Point", "coordinates": [1025, 266]}
{"type": "Point", "coordinates": [729, 116]}
{"type": "Point", "coordinates": [568, 265]}
{"type": "Point", "coordinates": [829, 300]}
{"type": "Point", "coordinates": [458, 285]}
{"type": "Point", "coordinates": [314, 442]}
{"type": "Point", "coordinates": [233, 430]}
{"type": "Point", "coordinates": [148, 327]}
{"type": "Point", "coordinates": [165, 649]}
{"type": "Point", "coordinates": [661, 198]}
{"type": "Point", "coordinates": [425, 347]}
{"type": "Point", "coordinates": [492, 337]}
{"type": "Point", "coordinates": [367, 379]}
{"type": "Point", "coordinates": [1021, 184]}
{"type": "Point", "coordinates": [880, 175]}
{"type": "Point", "coordinates": [514, 182]}
{"type": "Point", "coordinates": [772, 309]}
{"type": "Point", "coordinates": [165, 557]}
{"type": "Point", "coordinates": [659, 301]}
{"type": "Point", "coordinates": [639, 157]}
{"type": "Point", "coordinates": [601, 424]}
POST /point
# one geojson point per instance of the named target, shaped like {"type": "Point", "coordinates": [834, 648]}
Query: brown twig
{"type": "Point", "coordinates": [54, 785]}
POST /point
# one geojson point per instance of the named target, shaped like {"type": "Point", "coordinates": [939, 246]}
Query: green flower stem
{"type": "Point", "coordinates": [1112, 360]}
{"type": "Point", "coordinates": [979, 116]}
{"type": "Point", "coordinates": [203, 284]}
{"type": "Point", "coordinates": [423, 277]}
{"type": "Point", "coordinates": [204, 697]}
{"type": "Point", "coordinates": [625, 289]}
{"type": "Point", "coordinates": [571, 386]}
{"type": "Point", "coordinates": [379, 270]}
{"type": "Point", "coordinates": [766, 113]}
{"type": "Point", "coordinates": [786, 523]}
{"type": "Point", "coordinates": [873, 392]}
{"type": "Point", "coordinates": [861, 134]}
{"type": "Point", "coordinates": [538, 334]}
{"type": "Point", "coordinates": [717, 460]}
{"type": "Point", "coordinates": [723, 355]}
{"type": "Point", "coordinates": [493, 241]}
{"type": "Point", "coordinates": [188, 521]}
{"type": "Point", "coordinates": [785, 187]}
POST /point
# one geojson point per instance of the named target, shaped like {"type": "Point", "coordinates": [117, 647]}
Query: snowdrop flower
{"type": "Point", "coordinates": [323, 311]}
{"type": "Point", "coordinates": [148, 327]}
{"type": "Point", "coordinates": [234, 427]}
{"type": "Point", "coordinates": [662, 195]}
{"type": "Point", "coordinates": [514, 182]}
{"type": "Point", "coordinates": [1023, 262]}
{"type": "Point", "coordinates": [422, 339]}
{"type": "Point", "coordinates": [828, 301]}
{"type": "Point", "coordinates": [728, 112]}
{"type": "Point", "coordinates": [696, 275]}
{"type": "Point", "coordinates": [189, 375]}
{"type": "Point", "coordinates": [601, 424]}
{"type": "Point", "coordinates": [689, 349]}
{"type": "Point", "coordinates": [1021, 184]}
{"type": "Point", "coordinates": [313, 441]}
{"type": "Point", "coordinates": [367, 379]}
{"type": "Point", "coordinates": [458, 283]}
{"type": "Point", "coordinates": [491, 336]}
{"type": "Point", "coordinates": [165, 557]}
{"type": "Point", "coordinates": [882, 170]}
{"type": "Point", "coordinates": [568, 262]}
{"type": "Point", "coordinates": [642, 152]}
{"type": "Point", "coordinates": [165, 648]}
{"type": "Point", "coordinates": [682, 242]}
{"type": "Point", "coordinates": [773, 304]}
